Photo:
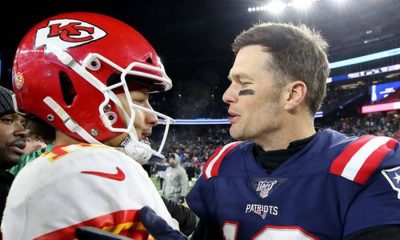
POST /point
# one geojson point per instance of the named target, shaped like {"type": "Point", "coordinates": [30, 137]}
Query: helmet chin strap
{"type": "Point", "coordinates": [69, 122]}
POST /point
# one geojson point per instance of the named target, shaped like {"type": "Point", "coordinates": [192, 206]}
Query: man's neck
{"type": "Point", "coordinates": [270, 160]}
{"type": "Point", "coordinates": [289, 132]}
{"type": "Point", "coordinates": [63, 139]}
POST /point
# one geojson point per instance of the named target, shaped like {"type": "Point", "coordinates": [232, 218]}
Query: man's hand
{"type": "Point", "coordinates": [158, 227]}
{"type": "Point", "coordinates": [155, 225]}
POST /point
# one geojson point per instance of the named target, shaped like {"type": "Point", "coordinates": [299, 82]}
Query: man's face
{"type": "Point", "coordinates": [12, 139]}
{"type": "Point", "coordinates": [255, 108]}
{"type": "Point", "coordinates": [172, 161]}
{"type": "Point", "coordinates": [144, 121]}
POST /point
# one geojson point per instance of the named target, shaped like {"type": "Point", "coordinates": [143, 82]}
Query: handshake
{"type": "Point", "coordinates": [154, 224]}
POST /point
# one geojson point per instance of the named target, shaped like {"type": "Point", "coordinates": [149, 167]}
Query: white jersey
{"type": "Point", "coordinates": [80, 185]}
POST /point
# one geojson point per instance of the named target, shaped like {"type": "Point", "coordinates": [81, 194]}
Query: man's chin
{"type": "Point", "coordinates": [234, 133]}
{"type": "Point", "coordinates": [14, 159]}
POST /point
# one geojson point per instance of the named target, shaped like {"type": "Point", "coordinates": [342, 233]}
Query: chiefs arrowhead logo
{"type": "Point", "coordinates": [68, 33]}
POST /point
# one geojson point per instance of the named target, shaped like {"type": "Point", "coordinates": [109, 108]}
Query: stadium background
{"type": "Point", "coordinates": [193, 39]}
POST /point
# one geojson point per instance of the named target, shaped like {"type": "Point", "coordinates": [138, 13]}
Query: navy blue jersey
{"type": "Point", "coordinates": [334, 186]}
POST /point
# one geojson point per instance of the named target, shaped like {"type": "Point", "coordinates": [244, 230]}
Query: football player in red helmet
{"type": "Point", "coordinates": [89, 76]}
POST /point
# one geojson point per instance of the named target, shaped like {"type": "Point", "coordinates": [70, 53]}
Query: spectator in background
{"type": "Point", "coordinates": [175, 183]}
{"type": "Point", "coordinates": [161, 167]}
{"type": "Point", "coordinates": [12, 142]}
{"type": "Point", "coordinates": [191, 170]}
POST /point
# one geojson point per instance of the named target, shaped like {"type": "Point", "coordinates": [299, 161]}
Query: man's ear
{"type": "Point", "coordinates": [295, 94]}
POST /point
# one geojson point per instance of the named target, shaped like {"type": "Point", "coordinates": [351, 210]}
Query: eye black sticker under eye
{"type": "Point", "coordinates": [246, 92]}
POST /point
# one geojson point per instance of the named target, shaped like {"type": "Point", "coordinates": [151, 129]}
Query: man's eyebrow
{"type": "Point", "coordinates": [234, 76]}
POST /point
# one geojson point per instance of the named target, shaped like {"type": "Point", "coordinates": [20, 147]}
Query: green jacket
{"type": "Point", "coordinates": [26, 158]}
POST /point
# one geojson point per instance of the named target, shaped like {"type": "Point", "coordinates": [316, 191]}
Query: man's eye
{"type": "Point", "coordinates": [7, 120]}
{"type": "Point", "coordinates": [140, 102]}
{"type": "Point", "coordinates": [243, 83]}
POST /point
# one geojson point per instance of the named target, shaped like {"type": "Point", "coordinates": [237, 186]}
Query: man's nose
{"type": "Point", "coordinates": [229, 96]}
{"type": "Point", "coordinates": [20, 130]}
{"type": "Point", "coordinates": [151, 118]}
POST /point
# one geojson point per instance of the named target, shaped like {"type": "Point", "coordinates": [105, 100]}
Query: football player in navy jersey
{"type": "Point", "coordinates": [284, 179]}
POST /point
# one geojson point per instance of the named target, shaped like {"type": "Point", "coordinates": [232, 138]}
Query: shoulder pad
{"type": "Point", "coordinates": [359, 160]}
{"type": "Point", "coordinates": [212, 165]}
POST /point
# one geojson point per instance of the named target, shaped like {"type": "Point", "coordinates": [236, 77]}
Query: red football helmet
{"type": "Point", "coordinates": [67, 68]}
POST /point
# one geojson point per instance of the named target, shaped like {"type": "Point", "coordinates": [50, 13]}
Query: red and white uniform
{"type": "Point", "coordinates": [80, 185]}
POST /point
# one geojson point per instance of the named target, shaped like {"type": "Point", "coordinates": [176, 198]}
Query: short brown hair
{"type": "Point", "coordinates": [298, 53]}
